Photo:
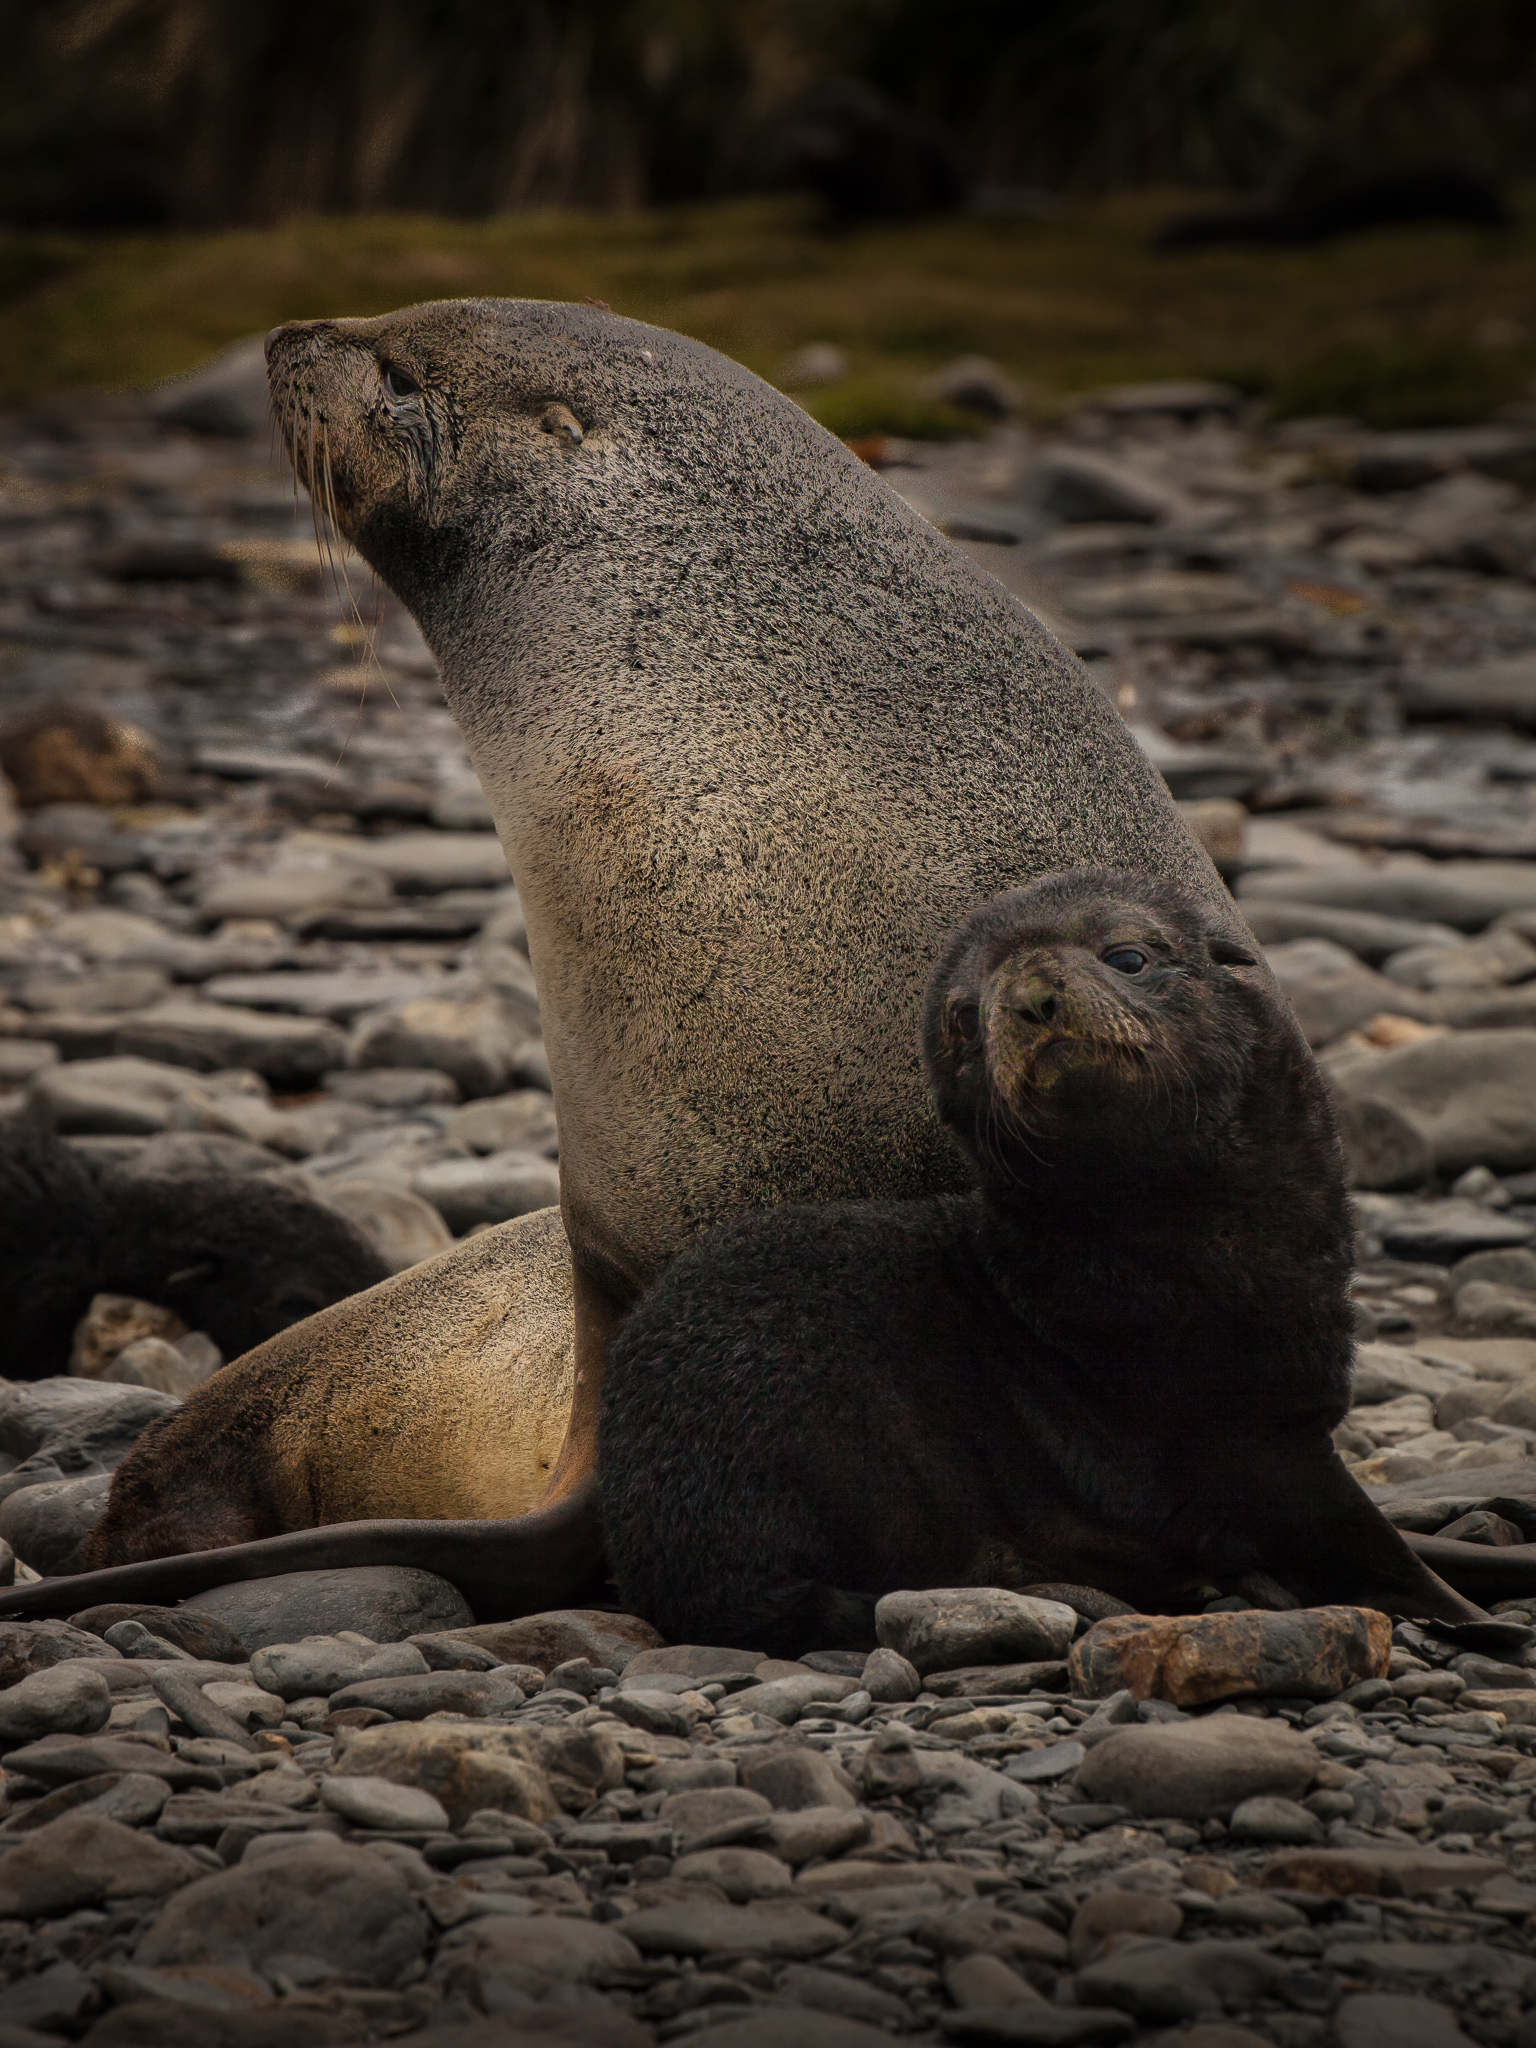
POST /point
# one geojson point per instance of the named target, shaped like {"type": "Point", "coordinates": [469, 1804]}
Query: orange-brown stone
{"type": "Point", "coordinates": [1310, 1653]}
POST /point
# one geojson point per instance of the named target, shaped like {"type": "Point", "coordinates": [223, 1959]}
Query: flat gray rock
{"type": "Point", "coordinates": [941, 1629]}
{"type": "Point", "coordinates": [491, 1190]}
{"type": "Point", "coordinates": [1382, 2020]}
{"type": "Point", "coordinates": [1465, 894]}
{"type": "Point", "coordinates": [479, 1693]}
{"type": "Point", "coordinates": [702, 1928]}
{"type": "Point", "coordinates": [127, 1096]}
{"type": "Point", "coordinates": [383, 1602]}
{"type": "Point", "coordinates": [46, 1524]}
{"type": "Point", "coordinates": [291, 1051]}
{"type": "Point", "coordinates": [423, 863]}
{"type": "Point", "coordinates": [338, 996]}
{"type": "Point", "coordinates": [1162, 1982]}
{"type": "Point", "coordinates": [1197, 1770]}
{"type": "Point", "coordinates": [378, 1803]}
{"type": "Point", "coordinates": [472, 1039]}
{"type": "Point", "coordinates": [324, 1664]}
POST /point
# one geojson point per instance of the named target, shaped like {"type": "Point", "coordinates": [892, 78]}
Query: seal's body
{"type": "Point", "coordinates": [238, 1256]}
{"type": "Point", "coordinates": [756, 738]}
{"type": "Point", "coordinates": [1116, 1361]}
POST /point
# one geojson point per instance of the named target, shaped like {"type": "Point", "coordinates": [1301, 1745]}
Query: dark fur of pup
{"type": "Point", "coordinates": [1117, 1361]}
{"type": "Point", "coordinates": [239, 1256]}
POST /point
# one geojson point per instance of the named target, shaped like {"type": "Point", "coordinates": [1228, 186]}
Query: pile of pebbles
{"type": "Point", "coordinates": [241, 1821]}
{"type": "Point", "coordinates": [253, 915]}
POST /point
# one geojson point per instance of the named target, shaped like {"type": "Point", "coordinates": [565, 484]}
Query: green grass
{"type": "Point", "coordinates": [1403, 327]}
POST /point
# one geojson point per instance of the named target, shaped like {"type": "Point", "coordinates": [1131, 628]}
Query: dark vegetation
{"type": "Point", "coordinates": [908, 180]}
{"type": "Point", "coordinates": [117, 113]}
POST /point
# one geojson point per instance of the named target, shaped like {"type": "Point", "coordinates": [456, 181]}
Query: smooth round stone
{"type": "Point", "coordinates": [379, 1803]}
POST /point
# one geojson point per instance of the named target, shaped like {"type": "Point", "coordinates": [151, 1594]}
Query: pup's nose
{"type": "Point", "coordinates": [1037, 997]}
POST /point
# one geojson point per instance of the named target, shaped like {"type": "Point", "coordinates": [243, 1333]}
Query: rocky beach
{"type": "Point", "coordinates": [254, 919]}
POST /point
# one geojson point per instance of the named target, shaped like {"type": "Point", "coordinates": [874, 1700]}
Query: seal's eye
{"type": "Point", "coordinates": [1125, 959]}
{"type": "Point", "coordinates": [966, 1018]}
{"type": "Point", "coordinates": [397, 384]}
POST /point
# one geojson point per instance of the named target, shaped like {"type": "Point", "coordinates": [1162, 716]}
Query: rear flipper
{"type": "Point", "coordinates": [1345, 1550]}
{"type": "Point", "coordinates": [527, 1564]}
{"type": "Point", "coordinates": [1483, 1571]}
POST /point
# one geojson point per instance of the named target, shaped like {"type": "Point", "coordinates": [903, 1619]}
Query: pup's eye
{"type": "Point", "coordinates": [1125, 959]}
{"type": "Point", "coordinates": [966, 1018]}
{"type": "Point", "coordinates": [397, 384]}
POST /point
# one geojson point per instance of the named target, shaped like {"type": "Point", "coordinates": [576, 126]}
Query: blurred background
{"type": "Point", "coordinates": [1320, 203]}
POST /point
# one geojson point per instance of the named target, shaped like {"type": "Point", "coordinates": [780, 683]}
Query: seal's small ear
{"type": "Point", "coordinates": [559, 419]}
{"type": "Point", "coordinates": [1226, 953]}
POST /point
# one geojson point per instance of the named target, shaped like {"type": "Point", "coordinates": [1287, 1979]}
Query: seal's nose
{"type": "Point", "coordinates": [1037, 997]}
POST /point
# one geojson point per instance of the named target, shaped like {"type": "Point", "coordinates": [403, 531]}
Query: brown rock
{"type": "Point", "coordinates": [1313, 1653]}
{"type": "Point", "coordinates": [167, 2023]}
{"type": "Point", "coordinates": [83, 1860]}
{"type": "Point", "coordinates": [790, 1777]}
{"type": "Point", "coordinates": [111, 1324]}
{"type": "Point", "coordinates": [1112, 1911]}
{"type": "Point", "coordinates": [531, 1772]}
{"type": "Point", "coordinates": [200, 1635]}
{"type": "Point", "coordinates": [310, 1895]}
{"type": "Point", "coordinates": [538, 1956]}
{"type": "Point", "coordinates": [66, 754]}
{"type": "Point", "coordinates": [28, 1646]}
{"type": "Point", "coordinates": [704, 1928]}
{"type": "Point", "coordinates": [811, 1831]}
{"type": "Point", "coordinates": [545, 1640]}
{"type": "Point", "coordinates": [1517, 1704]}
{"type": "Point", "coordinates": [984, 1929]}
{"type": "Point", "coordinates": [979, 1679]}
{"type": "Point", "coordinates": [693, 1660]}
{"type": "Point", "coordinates": [1379, 1873]}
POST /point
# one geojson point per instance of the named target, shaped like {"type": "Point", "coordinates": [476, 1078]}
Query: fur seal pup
{"type": "Point", "coordinates": [1115, 1361]}
{"type": "Point", "coordinates": [238, 1256]}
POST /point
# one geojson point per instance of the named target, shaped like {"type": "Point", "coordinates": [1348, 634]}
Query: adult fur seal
{"type": "Point", "coordinates": [1116, 1361]}
{"type": "Point", "coordinates": [756, 738]}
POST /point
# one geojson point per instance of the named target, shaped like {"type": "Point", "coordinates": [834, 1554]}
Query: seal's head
{"type": "Point", "coordinates": [1094, 1013]}
{"type": "Point", "coordinates": [451, 440]}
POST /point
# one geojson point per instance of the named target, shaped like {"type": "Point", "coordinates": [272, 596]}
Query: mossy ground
{"type": "Point", "coordinates": [1402, 327]}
